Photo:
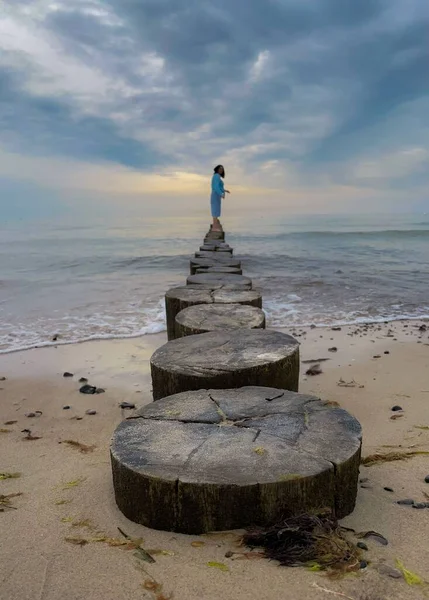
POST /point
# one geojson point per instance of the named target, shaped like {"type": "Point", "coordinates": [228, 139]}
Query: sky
{"type": "Point", "coordinates": [311, 106]}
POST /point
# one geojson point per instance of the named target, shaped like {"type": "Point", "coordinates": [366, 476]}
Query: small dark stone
{"type": "Point", "coordinates": [363, 564]}
{"type": "Point", "coordinates": [54, 339]}
{"type": "Point", "coordinates": [333, 349]}
{"type": "Point", "coordinates": [2, 378]}
{"type": "Point", "coordinates": [388, 489]}
{"type": "Point", "coordinates": [336, 328]}
{"type": "Point", "coordinates": [67, 374]}
{"type": "Point", "coordinates": [364, 480]}
{"type": "Point", "coordinates": [366, 486]}
{"type": "Point", "coordinates": [386, 352]}
{"type": "Point", "coordinates": [419, 505]}
{"type": "Point", "coordinates": [396, 408]}
{"type": "Point", "coordinates": [406, 502]}
{"type": "Point", "coordinates": [362, 546]}
{"type": "Point", "coordinates": [422, 328]}
{"type": "Point", "coordinates": [30, 415]}
{"type": "Point", "coordinates": [427, 479]}
{"type": "Point", "coordinates": [90, 411]}
{"type": "Point", "coordinates": [314, 370]}
{"type": "Point", "coordinates": [229, 554]}
{"type": "Point", "coordinates": [87, 389]}
{"type": "Point", "coordinates": [66, 407]}
{"type": "Point", "coordinates": [83, 380]}
{"type": "Point", "coordinates": [312, 326]}
{"type": "Point", "coordinates": [129, 405]}
{"type": "Point", "coordinates": [377, 356]}
{"type": "Point", "coordinates": [99, 391]}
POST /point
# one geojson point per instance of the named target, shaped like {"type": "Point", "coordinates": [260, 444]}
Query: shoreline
{"type": "Point", "coordinates": [67, 492]}
{"type": "Point", "coordinates": [111, 337]}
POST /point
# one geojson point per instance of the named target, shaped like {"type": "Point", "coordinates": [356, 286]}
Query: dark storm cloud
{"type": "Point", "coordinates": [187, 80]}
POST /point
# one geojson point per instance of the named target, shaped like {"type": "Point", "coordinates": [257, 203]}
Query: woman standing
{"type": "Point", "coordinates": [218, 192]}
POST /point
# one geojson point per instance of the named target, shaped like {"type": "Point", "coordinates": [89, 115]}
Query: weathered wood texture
{"type": "Point", "coordinates": [211, 317]}
{"type": "Point", "coordinates": [212, 254]}
{"type": "Point", "coordinates": [225, 359]}
{"type": "Point", "coordinates": [180, 298]}
{"type": "Point", "coordinates": [237, 281]}
{"type": "Point", "coordinates": [225, 459]}
{"type": "Point", "coordinates": [214, 235]}
{"type": "Point", "coordinates": [201, 263]}
{"type": "Point", "coordinates": [216, 247]}
{"type": "Point", "coordinates": [219, 269]}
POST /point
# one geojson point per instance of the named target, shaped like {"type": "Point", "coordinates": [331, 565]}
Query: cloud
{"type": "Point", "coordinates": [288, 94]}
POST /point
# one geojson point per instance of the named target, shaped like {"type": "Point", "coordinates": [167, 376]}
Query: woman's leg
{"type": "Point", "coordinates": [215, 201]}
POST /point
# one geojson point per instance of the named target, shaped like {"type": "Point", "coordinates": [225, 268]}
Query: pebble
{"type": "Point", "coordinates": [419, 505]}
{"type": "Point", "coordinates": [377, 356]}
{"type": "Point", "coordinates": [90, 411]}
{"type": "Point", "coordinates": [388, 489]}
{"type": "Point", "coordinates": [390, 571]}
{"type": "Point", "coordinates": [30, 415]}
{"type": "Point", "coordinates": [87, 389]}
{"type": "Point", "coordinates": [83, 380]}
{"type": "Point", "coordinates": [362, 546]}
{"type": "Point", "coordinates": [363, 564]}
{"type": "Point", "coordinates": [396, 408]}
{"type": "Point", "coordinates": [333, 349]}
{"type": "Point", "coordinates": [127, 405]}
{"type": "Point", "coordinates": [336, 328]}
{"type": "Point", "coordinates": [427, 479]}
{"type": "Point", "coordinates": [100, 391]}
{"type": "Point", "coordinates": [66, 407]}
{"type": "Point", "coordinates": [67, 374]}
{"type": "Point", "coordinates": [386, 352]}
{"type": "Point", "coordinates": [229, 554]}
{"type": "Point", "coordinates": [406, 502]}
{"type": "Point", "coordinates": [2, 378]}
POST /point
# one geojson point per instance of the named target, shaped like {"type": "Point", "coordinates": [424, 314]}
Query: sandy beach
{"type": "Point", "coordinates": [67, 493]}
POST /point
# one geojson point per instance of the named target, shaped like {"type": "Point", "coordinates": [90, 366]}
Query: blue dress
{"type": "Point", "coordinates": [217, 192]}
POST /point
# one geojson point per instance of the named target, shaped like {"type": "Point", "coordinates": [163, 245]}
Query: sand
{"type": "Point", "coordinates": [61, 486]}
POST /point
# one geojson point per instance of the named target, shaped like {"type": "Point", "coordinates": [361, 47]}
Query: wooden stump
{"type": "Point", "coordinates": [216, 247]}
{"type": "Point", "coordinates": [179, 298]}
{"type": "Point", "coordinates": [225, 359]}
{"type": "Point", "coordinates": [212, 254]}
{"type": "Point", "coordinates": [225, 459]}
{"type": "Point", "coordinates": [212, 317]}
{"type": "Point", "coordinates": [201, 263]}
{"type": "Point", "coordinates": [235, 281]}
{"type": "Point", "coordinates": [219, 269]}
{"type": "Point", "coordinates": [215, 235]}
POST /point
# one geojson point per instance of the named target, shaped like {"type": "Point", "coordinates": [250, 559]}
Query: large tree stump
{"type": "Point", "coordinates": [212, 317]}
{"type": "Point", "coordinates": [179, 298]}
{"type": "Point", "coordinates": [224, 459]}
{"type": "Point", "coordinates": [237, 281]}
{"type": "Point", "coordinates": [219, 269]}
{"type": "Point", "coordinates": [225, 359]}
{"type": "Point", "coordinates": [201, 263]}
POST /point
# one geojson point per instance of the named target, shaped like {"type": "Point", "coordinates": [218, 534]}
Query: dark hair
{"type": "Point", "coordinates": [216, 170]}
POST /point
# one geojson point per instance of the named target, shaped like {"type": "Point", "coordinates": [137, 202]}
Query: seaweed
{"type": "Point", "coordinates": [377, 458]}
{"type": "Point", "coordinates": [84, 448]}
{"type": "Point", "coordinates": [5, 500]}
{"type": "Point", "coordinates": [315, 541]}
{"type": "Point", "coordinates": [9, 476]}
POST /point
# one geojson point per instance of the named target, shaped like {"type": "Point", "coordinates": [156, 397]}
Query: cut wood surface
{"type": "Point", "coordinates": [225, 359]}
{"type": "Point", "coordinates": [211, 317]}
{"type": "Point", "coordinates": [197, 263]}
{"type": "Point", "coordinates": [180, 298]}
{"type": "Point", "coordinates": [237, 281]}
{"type": "Point", "coordinates": [213, 254]}
{"type": "Point", "coordinates": [216, 247]}
{"type": "Point", "coordinates": [219, 269]}
{"type": "Point", "coordinates": [224, 459]}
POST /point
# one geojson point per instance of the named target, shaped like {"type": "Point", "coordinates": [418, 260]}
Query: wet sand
{"type": "Point", "coordinates": [62, 486]}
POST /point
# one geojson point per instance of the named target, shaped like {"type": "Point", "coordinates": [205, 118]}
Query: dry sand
{"type": "Point", "coordinates": [61, 485]}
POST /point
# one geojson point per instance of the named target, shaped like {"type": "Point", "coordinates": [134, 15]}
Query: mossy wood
{"type": "Point", "coordinates": [180, 298]}
{"type": "Point", "coordinates": [212, 317]}
{"type": "Point", "coordinates": [224, 459]}
{"type": "Point", "coordinates": [225, 359]}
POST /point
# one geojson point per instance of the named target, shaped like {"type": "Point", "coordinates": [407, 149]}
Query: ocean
{"type": "Point", "coordinates": [106, 277]}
